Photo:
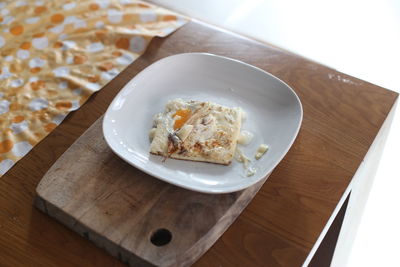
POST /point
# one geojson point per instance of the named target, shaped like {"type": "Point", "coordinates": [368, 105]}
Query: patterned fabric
{"type": "Point", "coordinates": [55, 54]}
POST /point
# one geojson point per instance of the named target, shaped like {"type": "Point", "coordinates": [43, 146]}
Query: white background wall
{"type": "Point", "coordinates": [359, 38]}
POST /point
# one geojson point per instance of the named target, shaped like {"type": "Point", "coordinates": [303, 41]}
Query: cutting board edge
{"type": "Point", "coordinates": [117, 251]}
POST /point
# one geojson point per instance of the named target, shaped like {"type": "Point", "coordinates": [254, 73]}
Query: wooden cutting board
{"type": "Point", "coordinates": [135, 217]}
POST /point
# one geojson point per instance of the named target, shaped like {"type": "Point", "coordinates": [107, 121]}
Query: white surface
{"type": "Point", "coordinates": [274, 115]}
{"type": "Point", "coordinates": [359, 38]}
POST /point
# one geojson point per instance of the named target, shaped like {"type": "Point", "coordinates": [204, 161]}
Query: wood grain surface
{"type": "Point", "coordinates": [342, 115]}
{"type": "Point", "coordinates": [138, 219]}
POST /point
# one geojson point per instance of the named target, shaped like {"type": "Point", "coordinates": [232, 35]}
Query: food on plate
{"type": "Point", "coordinates": [197, 131]}
{"type": "Point", "coordinates": [250, 171]}
{"type": "Point", "coordinates": [245, 138]}
{"type": "Point", "coordinates": [262, 149]}
{"type": "Point", "coordinates": [242, 158]}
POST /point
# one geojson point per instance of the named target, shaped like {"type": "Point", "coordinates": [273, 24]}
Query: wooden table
{"type": "Point", "coordinates": [280, 227]}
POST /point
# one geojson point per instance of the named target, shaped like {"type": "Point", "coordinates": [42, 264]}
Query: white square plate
{"type": "Point", "coordinates": [274, 115]}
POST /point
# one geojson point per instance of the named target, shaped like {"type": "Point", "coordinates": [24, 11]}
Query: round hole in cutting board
{"type": "Point", "coordinates": [161, 237]}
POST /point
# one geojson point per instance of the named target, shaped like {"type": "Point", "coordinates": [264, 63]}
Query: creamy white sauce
{"type": "Point", "coordinates": [244, 114]}
{"type": "Point", "coordinates": [242, 158]}
{"type": "Point", "coordinates": [250, 171]}
{"type": "Point", "coordinates": [152, 133]}
{"type": "Point", "coordinates": [184, 132]}
{"type": "Point", "coordinates": [245, 138]}
{"type": "Point", "coordinates": [175, 104]}
{"type": "Point", "coordinates": [261, 151]}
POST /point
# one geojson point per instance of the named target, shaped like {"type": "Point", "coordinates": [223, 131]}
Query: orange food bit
{"type": "Point", "coordinates": [215, 143]}
{"type": "Point", "coordinates": [50, 127]}
{"type": "Point", "coordinates": [94, 6]}
{"type": "Point", "coordinates": [169, 18]}
{"type": "Point", "coordinates": [18, 119]}
{"type": "Point", "coordinates": [143, 5]}
{"type": "Point", "coordinates": [57, 45]}
{"type": "Point", "coordinates": [57, 18]}
{"type": "Point", "coordinates": [184, 115]}
{"type": "Point", "coordinates": [79, 59]}
{"type": "Point", "coordinates": [17, 30]}
{"type": "Point", "coordinates": [106, 66]}
{"type": "Point", "coordinates": [94, 78]}
{"type": "Point", "coordinates": [116, 54]}
{"type": "Point", "coordinates": [38, 35]}
{"type": "Point", "coordinates": [40, 9]}
{"type": "Point", "coordinates": [35, 69]}
{"type": "Point", "coordinates": [6, 146]}
{"type": "Point", "coordinates": [37, 85]}
{"type": "Point", "coordinates": [15, 106]}
{"type": "Point", "coordinates": [63, 105]}
{"type": "Point", "coordinates": [25, 45]}
{"type": "Point", "coordinates": [122, 43]}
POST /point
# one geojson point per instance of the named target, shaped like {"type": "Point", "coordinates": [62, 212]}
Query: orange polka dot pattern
{"type": "Point", "coordinates": [54, 56]}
